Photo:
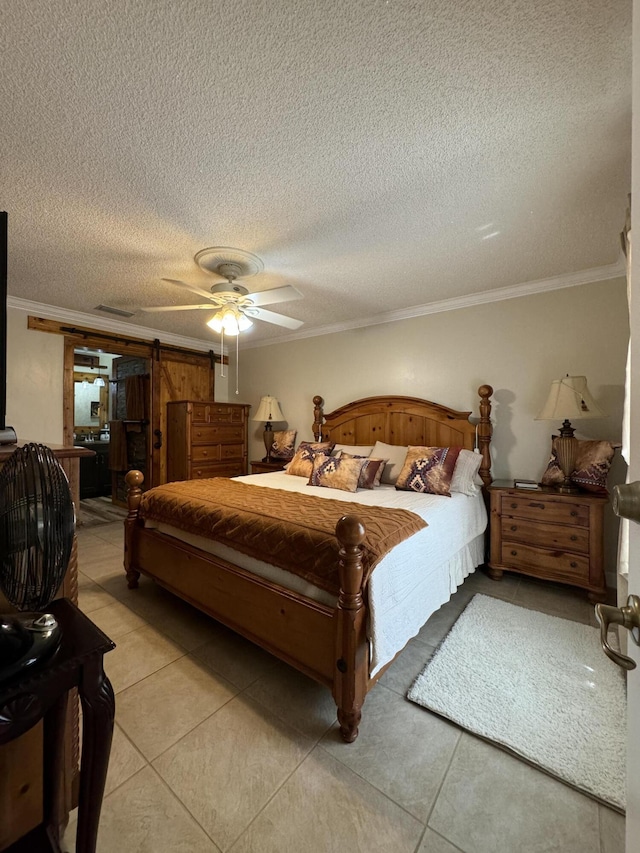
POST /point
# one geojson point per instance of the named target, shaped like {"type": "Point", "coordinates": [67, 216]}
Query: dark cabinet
{"type": "Point", "coordinates": [95, 474]}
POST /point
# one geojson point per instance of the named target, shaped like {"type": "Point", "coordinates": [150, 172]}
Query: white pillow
{"type": "Point", "coordinates": [465, 474]}
{"type": "Point", "coordinates": [395, 454]}
{"type": "Point", "coordinates": [353, 449]}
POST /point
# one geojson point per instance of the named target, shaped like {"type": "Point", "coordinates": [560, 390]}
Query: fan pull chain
{"type": "Point", "coordinates": [237, 360]}
{"type": "Point", "coordinates": [222, 353]}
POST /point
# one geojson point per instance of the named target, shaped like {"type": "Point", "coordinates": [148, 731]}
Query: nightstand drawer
{"type": "Point", "coordinates": [557, 564]}
{"type": "Point", "coordinates": [560, 512]}
{"type": "Point", "coordinates": [556, 536]}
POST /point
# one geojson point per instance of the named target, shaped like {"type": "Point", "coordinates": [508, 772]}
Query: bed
{"type": "Point", "coordinates": [345, 640]}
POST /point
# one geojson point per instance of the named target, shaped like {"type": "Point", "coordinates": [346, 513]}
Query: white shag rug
{"type": "Point", "coordinates": [537, 685]}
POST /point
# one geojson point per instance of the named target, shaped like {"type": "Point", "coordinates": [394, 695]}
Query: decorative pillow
{"type": "Point", "coordinates": [322, 446]}
{"type": "Point", "coordinates": [428, 469]}
{"type": "Point", "coordinates": [284, 442]}
{"type": "Point", "coordinates": [465, 474]}
{"type": "Point", "coordinates": [302, 463]}
{"type": "Point", "coordinates": [354, 449]}
{"type": "Point", "coordinates": [593, 460]}
{"type": "Point", "coordinates": [371, 470]}
{"type": "Point", "coordinates": [395, 456]}
{"type": "Point", "coordinates": [336, 472]}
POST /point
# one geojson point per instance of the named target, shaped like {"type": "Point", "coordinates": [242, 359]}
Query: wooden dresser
{"type": "Point", "coordinates": [549, 535]}
{"type": "Point", "coordinates": [206, 439]}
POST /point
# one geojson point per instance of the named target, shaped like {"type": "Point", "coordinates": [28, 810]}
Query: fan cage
{"type": "Point", "coordinates": [37, 524]}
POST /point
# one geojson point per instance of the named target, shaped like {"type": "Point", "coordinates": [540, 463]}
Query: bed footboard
{"type": "Point", "coordinates": [329, 645]}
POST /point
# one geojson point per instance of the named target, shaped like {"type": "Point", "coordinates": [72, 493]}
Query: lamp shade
{"type": "Point", "coordinates": [569, 398]}
{"type": "Point", "coordinates": [268, 410]}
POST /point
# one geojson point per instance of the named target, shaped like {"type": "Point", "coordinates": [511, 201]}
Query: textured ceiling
{"type": "Point", "coordinates": [376, 154]}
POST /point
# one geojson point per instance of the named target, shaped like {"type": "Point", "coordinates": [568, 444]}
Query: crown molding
{"type": "Point", "coordinates": [105, 324]}
{"type": "Point", "coordinates": [529, 288]}
{"type": "Point", "coordinates": [590, 276]}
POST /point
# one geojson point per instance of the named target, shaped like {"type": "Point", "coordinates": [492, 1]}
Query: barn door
{"type": "Point", "coordinates": [175, 376]}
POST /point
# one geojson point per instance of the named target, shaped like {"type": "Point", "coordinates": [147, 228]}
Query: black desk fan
{"type": "Point", "coordinates": [37, 523]}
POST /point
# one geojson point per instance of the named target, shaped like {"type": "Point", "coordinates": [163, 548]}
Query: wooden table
{"type": "Point", "coordinates": [42, 694]}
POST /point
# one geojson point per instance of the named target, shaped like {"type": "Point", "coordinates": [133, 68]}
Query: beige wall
{"type": "Point", "coordinates": [35, 364]}
{"type": "Point", "coordinates": [518, 346]}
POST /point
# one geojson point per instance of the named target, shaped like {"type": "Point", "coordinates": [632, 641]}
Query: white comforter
{"type": "Point", "coordinates": [412, 581]}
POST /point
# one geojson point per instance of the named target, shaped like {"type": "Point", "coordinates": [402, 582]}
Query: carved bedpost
{"type": "Point", "coordinates": [134, 480]}
{"type": "Point", "coordinates": [351, 675]}
{"type": "Point", "coordinates": [485, 431]}
{"type": "Point", "coordinates": [318, 418]}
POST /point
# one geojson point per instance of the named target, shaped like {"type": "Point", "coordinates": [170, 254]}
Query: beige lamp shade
{"type": "Point", "coordinates": [570, 398]}
{"type": "Point", "coordinates": [268, 410]}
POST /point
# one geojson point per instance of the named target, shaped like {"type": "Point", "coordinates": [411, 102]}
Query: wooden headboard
{"type": "Point", "coordinates": [407, 420]}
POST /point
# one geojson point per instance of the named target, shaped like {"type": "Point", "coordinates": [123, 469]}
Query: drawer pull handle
{"type": "Point", "coordinates": [514, 506]}
{"type": "Point", "coordinates": [514, 526]}
{"type": "Point", "coordinates": [514, 553]}
{"type": "Point", "coordinates": [573, 513]}
{"type": "Point", "coordinates": [537, 505]}
{"type": "Point", "coordinates": [574, 538]}
{"type": "Point", "coordinates": [573, 565]}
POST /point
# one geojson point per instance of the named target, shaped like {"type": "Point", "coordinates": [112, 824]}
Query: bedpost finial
{"type": "Point", "coordinates": [485, 391]}
{"type": "Point", "coordinates": [134, 479]}
{"type": "Point", "coordinates": [317, 400]}
{"type": "Point", "coordinates": [350, 531]}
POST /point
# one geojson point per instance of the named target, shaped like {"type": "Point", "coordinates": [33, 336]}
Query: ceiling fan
{"type": "Point", "coordinates": [235, 306]}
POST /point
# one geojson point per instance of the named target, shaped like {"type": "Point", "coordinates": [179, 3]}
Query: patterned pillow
{"type": "Point", "coordinates": [322, 446]}
{"type": "Point", "coordinates": [428, 469]}
{"type": "Point", "coordinates": [302, 463]}
{"type": "Point", "coordinates": [284, 442]}
{"type": "Point", "coordinates": [336, 472]}
{"type": "Point", "coordinates": [371, 470]}
{"type": "Point", "coordinates": [593, 460]}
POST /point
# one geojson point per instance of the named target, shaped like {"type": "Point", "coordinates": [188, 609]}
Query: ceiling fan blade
{"type": "Point", "coordinates": [193, 288]}
{"type": "Point", "coordinates": [276, 294]}
{"type": "Point", "coordinates": [209, 306]}
{"type": "Point", "coordinates": [276, 319]}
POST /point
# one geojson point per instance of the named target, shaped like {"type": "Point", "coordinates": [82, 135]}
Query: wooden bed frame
{"type": "Point", "coordinates": [328, 644]}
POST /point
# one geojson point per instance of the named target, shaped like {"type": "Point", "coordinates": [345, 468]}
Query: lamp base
{"type": "Point", "coordinates": [567, 490]}
{"type": "Point", "coordinates": [268, 440]}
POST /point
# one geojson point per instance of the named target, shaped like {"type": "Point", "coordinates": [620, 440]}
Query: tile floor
{"type": "Point", "coordinates": [220, 747]}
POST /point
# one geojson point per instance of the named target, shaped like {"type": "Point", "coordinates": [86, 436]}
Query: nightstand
{"type": "Point", "coordinates": [266, 467]}
{"type": "Point", "coordinates": [549, 535]}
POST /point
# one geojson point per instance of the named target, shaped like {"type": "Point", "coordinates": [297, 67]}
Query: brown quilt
{"type": "Point", "coordinates": [287, 529]}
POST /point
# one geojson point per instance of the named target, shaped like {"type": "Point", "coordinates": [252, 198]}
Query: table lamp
{"type": "Point", "coordinates": [569, 398]}
{"type": "Point", "coordinates": [268, 411]}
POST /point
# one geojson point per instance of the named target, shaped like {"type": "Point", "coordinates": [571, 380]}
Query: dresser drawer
{"type": "Point", "coordinates": [556, 536]}
{"type": "Point", "coordinates": [203, 472]}
{"type": "Point", "coordinates": [553, 564]}
{"type": "Point", "coordinates": [216, 413]}
{"type": "Point", "coordinates": [560, 512]}
{"type": "Point", "coordinates": [217, 434]}
{"type": "Point", "coordinates": [203, 453]}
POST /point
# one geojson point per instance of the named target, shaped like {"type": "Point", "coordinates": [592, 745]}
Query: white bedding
{"type": "Point", "coordinates": [409, 583]}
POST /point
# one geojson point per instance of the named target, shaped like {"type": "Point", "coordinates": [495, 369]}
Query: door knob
{"type": "Point", "coordinates": [626, 501]}
{"type": "Point", "coordinates": [629, 618]}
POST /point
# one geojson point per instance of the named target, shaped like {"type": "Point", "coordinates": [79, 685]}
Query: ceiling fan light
{"type": "Point", "coordinates": [244, 323]}
{"type": "Point", "coordinates": [215, 323]}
